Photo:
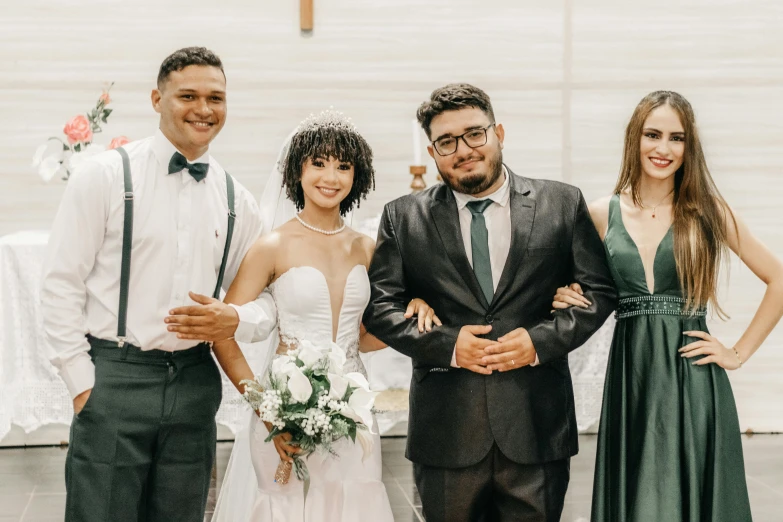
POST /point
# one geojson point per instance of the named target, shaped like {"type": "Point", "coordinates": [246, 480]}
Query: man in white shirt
{"type": "Point", "coordinates": [136, 232]}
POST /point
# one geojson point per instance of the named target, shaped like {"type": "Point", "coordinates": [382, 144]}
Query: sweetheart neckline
{"type": "Point", "coordinates": [335, 331]}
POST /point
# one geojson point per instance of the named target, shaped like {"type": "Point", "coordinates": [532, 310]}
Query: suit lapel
{"type": "Point", "coordinates": [446, 218]}
{"type": "Point", "coordinates": [523, 211]}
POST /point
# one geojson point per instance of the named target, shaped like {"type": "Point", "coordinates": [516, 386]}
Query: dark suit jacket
{"type": "Point", "coordinates": [456, 414]}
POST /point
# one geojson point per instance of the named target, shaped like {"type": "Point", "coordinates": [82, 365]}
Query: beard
{"type": "Point", "coordinates": [478, 182]}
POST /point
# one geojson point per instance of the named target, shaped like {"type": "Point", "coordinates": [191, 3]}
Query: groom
{"type": "Point", "coordinates": [492, 424]}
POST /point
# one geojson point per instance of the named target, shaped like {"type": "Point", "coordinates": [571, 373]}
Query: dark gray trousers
{"type": "Point", "coordinates": [143, 447]}
{"type": "Point", "coordinates": [495, 489]}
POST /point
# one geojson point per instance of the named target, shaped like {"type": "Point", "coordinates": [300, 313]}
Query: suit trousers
{"type": "Point", "coordinates": [495, 489]}
{"type": "Point", "coordinates": [143, 447]}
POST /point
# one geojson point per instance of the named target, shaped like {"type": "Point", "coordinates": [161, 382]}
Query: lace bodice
{"type": "Point", "coordinates": [304, 310]}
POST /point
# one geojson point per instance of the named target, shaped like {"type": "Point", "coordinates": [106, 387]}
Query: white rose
{"type": "Point", "coordinates": [48, 168]}
{"type": "Point", "coordinates": [48, 159]}
{"type": "Point", "coordinates": [39, 154]}
{"type": "Point", "coordinates": [282, 366]}
{"type": "Point", "coordinates": [349, 412]}
{"type": "Point", "coordinates": [53, 148]}
{"type": "Point", "coordinates": [361, 402]}
{"type": "Point", "coordinates": [299, 386]}
{"type": "Point", "coordinates": [338, 385]}
{"type": "Point", "coordinates": [309, 354]}
{"type": "Point", "coordinates": [358, 380]}
{"type": "Point", "coordinates": [336, 359]}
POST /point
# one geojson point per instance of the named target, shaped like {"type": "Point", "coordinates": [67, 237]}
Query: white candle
{"type": "Point", "coordinates": [416, 143]}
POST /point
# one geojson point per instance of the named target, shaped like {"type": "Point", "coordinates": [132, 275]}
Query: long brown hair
{"type": "Point", "coordinates": [699, 211]}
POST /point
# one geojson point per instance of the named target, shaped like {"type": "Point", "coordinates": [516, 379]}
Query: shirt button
{"type": "Point", "coordinates": [489, 318]}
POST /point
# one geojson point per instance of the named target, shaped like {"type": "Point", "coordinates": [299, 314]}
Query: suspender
{"type": "Point", "coordinates": [127, 242]}
{"type": "Point", "coordinates": [232, 216]}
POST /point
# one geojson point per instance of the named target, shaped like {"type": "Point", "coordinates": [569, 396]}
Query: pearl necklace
{"type": "Point", "coordinates": [320, 230]}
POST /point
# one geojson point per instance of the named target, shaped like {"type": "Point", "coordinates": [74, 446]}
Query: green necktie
{"type": "Point", "coordinates": [479, 245]}
{"type": "Point", "coordinates": [179, 163]}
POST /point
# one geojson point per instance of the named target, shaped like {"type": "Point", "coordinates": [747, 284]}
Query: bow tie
{"type": "Point", "coordinates": [197, 170]}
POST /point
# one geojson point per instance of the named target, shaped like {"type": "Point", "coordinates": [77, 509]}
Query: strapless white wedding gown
{"type": "Point", "coordinates": [343, 488]}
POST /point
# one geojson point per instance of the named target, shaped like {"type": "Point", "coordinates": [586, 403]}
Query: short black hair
{"type": "Point", "coordinates": [185, 57]}
{"type": "Point", "coordinates": [453, 97]}
{"type": "Point", "coordinates": [329, 142]}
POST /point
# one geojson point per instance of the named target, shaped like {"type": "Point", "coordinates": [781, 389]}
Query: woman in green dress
{"type": "Point", "coordinates": [669, 445]}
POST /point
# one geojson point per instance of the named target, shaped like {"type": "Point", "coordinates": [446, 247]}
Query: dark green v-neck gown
{"type": "Point", "coordinates": [669, 447]}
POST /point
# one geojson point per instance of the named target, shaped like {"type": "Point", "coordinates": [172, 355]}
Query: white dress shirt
{"type": "Point", "coordinates": [179, 233]}
{"type": "Point", "coordinates": [497, 218]}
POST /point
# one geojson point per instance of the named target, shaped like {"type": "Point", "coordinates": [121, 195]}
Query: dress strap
{"type": "Point", "coordinates": [615, 218]}
{"type": "Point", "coordinates": [229, 233]}
{"type": "Point", "coordinates": [127, 242]}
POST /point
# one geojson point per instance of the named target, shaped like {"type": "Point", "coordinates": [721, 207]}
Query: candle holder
{"type": "Point", "coordinates": [418, 172]}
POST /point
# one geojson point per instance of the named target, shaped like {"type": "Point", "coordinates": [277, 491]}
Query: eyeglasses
{"type": "Point", "coordinates": [474, 138]}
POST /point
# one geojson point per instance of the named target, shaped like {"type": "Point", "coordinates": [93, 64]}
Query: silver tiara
{"type": "Point", "coordinates": [328, 118]}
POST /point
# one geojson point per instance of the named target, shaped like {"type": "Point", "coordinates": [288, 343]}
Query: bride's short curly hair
{"type": "Point", "coordinates": [340, 142]}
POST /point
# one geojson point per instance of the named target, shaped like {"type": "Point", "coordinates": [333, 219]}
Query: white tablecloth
{"type": "Point", "coordinates": [31, 392]}
{"type": "Point", "coordinates": [33, 395]}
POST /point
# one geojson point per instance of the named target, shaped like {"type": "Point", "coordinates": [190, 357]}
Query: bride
{"type": "Point", "coordinates": [315, 267]}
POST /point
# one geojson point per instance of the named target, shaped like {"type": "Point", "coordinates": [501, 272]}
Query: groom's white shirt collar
{"type": "Point", "coordinates": [164, 150]}
{"type": "Point", "coordinates": [500, 196]}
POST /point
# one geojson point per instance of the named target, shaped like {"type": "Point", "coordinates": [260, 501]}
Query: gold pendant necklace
{"type": "Point", "coordinates": [654, 207]}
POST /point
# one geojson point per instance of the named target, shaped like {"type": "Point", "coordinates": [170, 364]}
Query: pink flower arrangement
{"type": "Point", "coordinates": [119, 141]}
{"type": "Point", "coordinates": [78, 130]}
{"type": "Point", "coordinates": [79, 133]}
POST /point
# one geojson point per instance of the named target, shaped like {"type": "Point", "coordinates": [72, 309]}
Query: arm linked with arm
{"type": "Point", "coordinates": [256, 318]}
{"type": "Point", "coordinates": [572, 327]}
{"type": "Point", "coordinates": [385, 314]}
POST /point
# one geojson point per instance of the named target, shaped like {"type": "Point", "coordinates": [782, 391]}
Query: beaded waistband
{"type": "Point", "coordinates": [655, 305]}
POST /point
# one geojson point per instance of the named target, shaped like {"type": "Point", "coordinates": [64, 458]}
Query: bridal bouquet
{"type": "Point", "coordinates": [310, 396]}
{"type": "Point", "coordinates": [63, 156]}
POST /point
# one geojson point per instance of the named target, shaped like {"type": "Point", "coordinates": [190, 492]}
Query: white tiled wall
{"type": "Point", "coordinates": [564, 77]}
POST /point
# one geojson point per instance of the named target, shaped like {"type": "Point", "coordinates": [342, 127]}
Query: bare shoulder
{"type": "Point", "coordinates": [599, 213]}
{"type": "Point", "coordinates": [257, 268]}
{"type": "Point", "coordinates": [362, 242]}
{"type": "Point", "coordinates": [267, 244]}
{"type": "Point", "coordinates": [599, 208]}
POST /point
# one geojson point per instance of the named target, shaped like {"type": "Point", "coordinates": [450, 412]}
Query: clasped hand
{"type": "Point", "coordinates": [511, 351]}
